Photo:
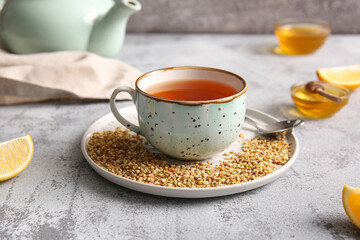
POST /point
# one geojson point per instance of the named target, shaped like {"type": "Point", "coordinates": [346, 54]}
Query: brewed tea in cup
{"type": "Point", "coordinates": [189, 113]}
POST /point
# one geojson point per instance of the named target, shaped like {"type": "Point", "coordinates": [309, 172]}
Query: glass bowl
{"type": "Point", "coordinates": [316, 106]}
{"type": "Point", "coordinates": [301, 36]}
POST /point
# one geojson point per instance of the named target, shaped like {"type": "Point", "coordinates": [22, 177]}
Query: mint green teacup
{"type": "Point", "coordinates": [190, 130]}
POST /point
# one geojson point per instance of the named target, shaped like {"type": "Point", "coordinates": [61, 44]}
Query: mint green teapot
{"type": "Point", "coordinates": [98, 26]}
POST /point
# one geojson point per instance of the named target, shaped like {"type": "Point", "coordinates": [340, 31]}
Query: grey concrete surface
{"type": "Point", "coordinates": [59, 196]}
{"type": "Point", "coordinates": [240, 16]}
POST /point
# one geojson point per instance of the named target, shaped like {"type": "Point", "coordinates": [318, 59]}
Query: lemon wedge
{"type": "Point", "coordinates": [15, 156]}
{"type": "Point", "coordinates": [351, 202]}
{"type": "Point", "coordinates": [347, 76]}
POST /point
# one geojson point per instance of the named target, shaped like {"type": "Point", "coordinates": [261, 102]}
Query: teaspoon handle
{"type": "Point", "coordinates": [252, 122]}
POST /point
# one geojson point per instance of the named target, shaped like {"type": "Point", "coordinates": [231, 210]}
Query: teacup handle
{"type": "Point", "coordinates": [116, 113]}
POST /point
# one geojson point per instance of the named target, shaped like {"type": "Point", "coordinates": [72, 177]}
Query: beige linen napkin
{"type": "Point", "coordinates": [75, 76]}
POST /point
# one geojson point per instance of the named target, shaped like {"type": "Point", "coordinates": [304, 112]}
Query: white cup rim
{"type": "Point", "coordinates": [220, 100]}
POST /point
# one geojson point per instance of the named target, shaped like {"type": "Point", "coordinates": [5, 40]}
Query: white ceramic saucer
{"type": "Point", "coordinates": [108, 122]}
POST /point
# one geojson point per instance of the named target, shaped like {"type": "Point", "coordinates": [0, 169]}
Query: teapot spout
{"type": "Point", "coordinates": [108, 32]}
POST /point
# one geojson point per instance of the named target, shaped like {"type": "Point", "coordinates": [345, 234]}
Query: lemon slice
{"type": "Point", "coordinates": [351, 202]}
{"type": "Point", "coordinates": [348, 76]}
{"type": "Point", "coordinates": [15, 156]}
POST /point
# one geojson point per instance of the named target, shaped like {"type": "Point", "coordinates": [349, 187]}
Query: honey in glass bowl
{"type": "Point", "coordinates": [301, 36]}
{"type": "Point", "coordinates": [314, 105]}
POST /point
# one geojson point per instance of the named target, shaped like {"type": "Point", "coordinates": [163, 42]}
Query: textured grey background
{"type": "Point", "coordinates": [240, 16]}
{"type": "Point", "coordinates": [59, 196]}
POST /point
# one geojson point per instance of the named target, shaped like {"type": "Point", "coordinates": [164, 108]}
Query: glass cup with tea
{"type": "Point", "coordinates": [300, 36]}
{"type": "Point", "coordinates": [188, 113]}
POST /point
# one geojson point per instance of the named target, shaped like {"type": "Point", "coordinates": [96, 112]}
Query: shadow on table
{"type": "Point", "coordinates": [263, 49]}
{"type": "Point", "coordinates": [271, 50]}
{"type": "Point", "coordinates": [268, 50]}
{"type": "Point", "coordinates": [339, 227]}
{"type": "Point", "coordinates": [289, 111]}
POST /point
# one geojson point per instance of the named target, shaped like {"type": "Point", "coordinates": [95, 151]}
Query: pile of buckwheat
{"type": "Point", "coordinates": [124, 154]}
